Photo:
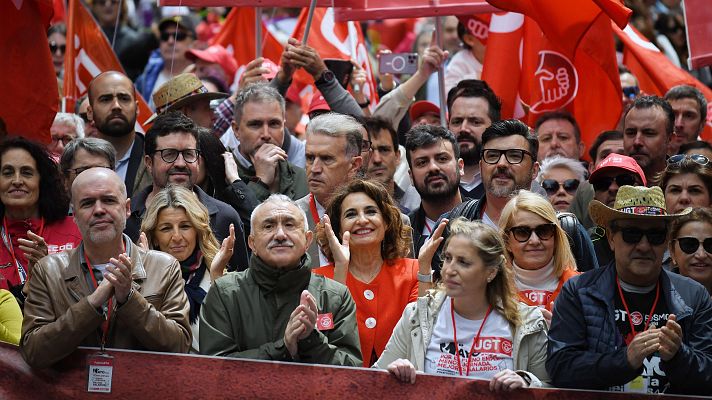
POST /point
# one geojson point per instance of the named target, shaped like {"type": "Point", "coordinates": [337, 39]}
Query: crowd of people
{"type": "Point", "coordinates": [378, 237]}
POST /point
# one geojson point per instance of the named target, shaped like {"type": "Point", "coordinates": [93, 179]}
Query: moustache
{"type": "Point", "coordinates": [280, 243]}
{"type": "Point", "coordinates": [464, 136]}
{"type": "Point", "coordinates": [502, 173]}
{"type": "Point", "coordinates": [179, 170]}
{"type": "Point", "coordinates": [435, 175]}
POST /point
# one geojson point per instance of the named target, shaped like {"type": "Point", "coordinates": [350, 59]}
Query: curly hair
{"type": "Point", "coordinates": [174, 196]}
{"type": "Point", "coordinates": [53, 203]}
{"type": "Point", "coordinates": [397, 238]}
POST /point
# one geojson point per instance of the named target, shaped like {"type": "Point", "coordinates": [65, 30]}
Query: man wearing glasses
{"type": "Point", "coordinates": [171, 157]}
{"type": "Point", "coordinates": [632, 326]}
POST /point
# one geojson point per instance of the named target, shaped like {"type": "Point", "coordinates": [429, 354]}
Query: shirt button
{"type": "Point", "coordinates": [370, 323]}
{"type": "Point", "coordinates": [368, 294]}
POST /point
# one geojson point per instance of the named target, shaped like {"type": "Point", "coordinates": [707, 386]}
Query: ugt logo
{"type": "Point", "coordinates": [557, 80]}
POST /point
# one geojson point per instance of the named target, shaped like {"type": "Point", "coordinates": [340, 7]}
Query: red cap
{"type": "Point", "coordinates": [272, 67]}
{"type": "Point", "coordinates": [614, 160]}
{"type": "Point", "coordinates": [292, 95]}
{"type": "Point", "coordinates": [318, 104]}
{"type": "Point", "coordinates": [422, 107]}
{"type": "Point", "coordinates": [218, 55]}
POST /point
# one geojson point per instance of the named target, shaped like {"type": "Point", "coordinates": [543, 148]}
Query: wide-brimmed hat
{"type": "Point", "coordinates": [633, 202]}
{"type": "Point", "coordinates": [179, 91]}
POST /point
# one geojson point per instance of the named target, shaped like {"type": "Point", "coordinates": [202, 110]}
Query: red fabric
{"type": "Point", "coordinates": [59, 12]}
{"type": "Point", "coordinates": [698, 15]}
{"type": "Point", "coordinates": [656, 73]}
{"type": "Point", "coordinates": [393, 288]}
{"type": "Point", "coordinates": [477, 25]}
{"type": "Point", "coordinates": [88, 55]}
{"type": "Point", "coordinates": [59, 236]}
{"type": "Point", "coordinates": [237, 35]}
{"type": "Point", "coordinates": [338, 40]}
{"type": "Point", "coordinates": [31, 98]}
{"type": "Point", "coordinates": [568, 274]}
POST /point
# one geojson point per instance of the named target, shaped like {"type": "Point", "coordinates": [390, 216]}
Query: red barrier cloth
{"type": "Point", "coordinates": [362, 10]}
{"type": "Point", "coordinates": [698, 15]}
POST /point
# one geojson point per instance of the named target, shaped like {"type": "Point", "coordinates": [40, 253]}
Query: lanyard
{"type": "Point", "coordinates": [428, 227]}
{"type": "Point", "coordinates": [106, 324]}
{"type": "Point", "coordinates": [312, 208]}
{"type": "Point", "coordinates": [7, 240]}
{"type": "Point", "coordinates": [652, 309]}
{"type": "Point", "coordinates": [454, 334]}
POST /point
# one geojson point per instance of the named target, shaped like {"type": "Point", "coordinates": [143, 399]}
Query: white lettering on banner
{"type": "Point", "coordinates": [558, 82]}
{"type": "Point", "coordinates": [477, 29]}
{"type": "Point", "coordinates": [53, 248]}
{"type": "Point", "coordinates": [83, 60]}
{"type": "Point", "coordinates": [638, 40]}
{"type": "Point", "coordinates": [327, 30]}
{"type": "Point", "coordinates": [538, 297]}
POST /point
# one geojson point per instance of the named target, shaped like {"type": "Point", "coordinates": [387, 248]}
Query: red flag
{"type": "Point", "coordinates": [698, 15]}
{"type": "Point", "coordinates": [656, 73]}
{"type": "Point", "coordinates": [237, 36]}
{"type": "Point", "coordinates": [339, 40]}
{"type": "Point", "coordinates": [89, 54]}
{"type": "Point", "coordinates": [31, 96]}
{"type": "Point", "coordinates": [59, 14]}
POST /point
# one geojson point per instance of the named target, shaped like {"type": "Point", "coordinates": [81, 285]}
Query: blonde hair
{"type": "Point", "coordinates": [486, 241]}
{"type": "Point", "coordinates": [179, 197]}
{"type": "Point", "coordinates": [535, 204]}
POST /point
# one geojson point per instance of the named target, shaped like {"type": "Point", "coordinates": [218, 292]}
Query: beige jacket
{"type": "Point", "coordinates": [411, 337]}
{"type": "Point", "coordinates": [58, 316]}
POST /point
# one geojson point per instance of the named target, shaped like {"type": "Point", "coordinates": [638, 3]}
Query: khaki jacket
{"type": "Point", "coordinates": [411, 337]}
{"type": "Point", "coordinates": [58, 316]}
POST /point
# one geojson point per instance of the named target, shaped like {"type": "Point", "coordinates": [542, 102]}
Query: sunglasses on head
{"type": "Point", "coordinates": [689, 245]}
{"type": "Point", "coordinates": [602, 184]}
{"type": "Point", "coordinates": [53, 47]}
{"type": "Point", "coordinates": [179, 36]}
{"type": "Point", "coordinates": [633, 235]}
{"type": "Point", "coordinates": [523, 233]}
{"type": "Point", "coordinates": [677, 160]}
{"type": "Point", "coordinates": [552, 186]}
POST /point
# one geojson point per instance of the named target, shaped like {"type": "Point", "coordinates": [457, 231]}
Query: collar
{"type": "Point", "coordinates": [126, 156]}
{"type": "Point", "coordinates": [281, 280]}
{"type": "Point", "coordinates": [77, 264]}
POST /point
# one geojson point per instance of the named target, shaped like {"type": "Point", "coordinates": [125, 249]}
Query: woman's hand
{"type": "Point", "coordinates": [427, 251]}
{"type": "Point", "coordinates": [548, 314]}
{"type": "Point", "coordinates": [219, 264]}
{"type": "Point", "coordinates": [231, 174]}
{"type": "Point", "coordinates": [340, 252]}
{"type": "Point", "coordinates": [507, 380]}
{"type": "Point", "coordinates": [403, 370]}
{"type": "Point", "coordinates": [34, 248]}
{"type": "Point", "coordinates": [143, 241]}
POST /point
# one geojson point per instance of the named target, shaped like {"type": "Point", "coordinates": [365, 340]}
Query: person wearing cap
{"type": "Point", "coordinates": [613, 172]}
{"type": "Point", "coordinates": [424, 112]}
{"type": "Point", "coordinates": [466, 63]}
{"type": "Point", "coordinates": [214, 61]}
{"type": "Point", "coordinates": [176, 36]}
{"type": "Point", "coordinates": [187, 94]}
{"type": "Point", "coordinates": [632, 326]}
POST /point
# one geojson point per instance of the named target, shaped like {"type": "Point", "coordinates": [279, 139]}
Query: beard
{"type": "Point", "coordinates": [114, 128]}
{"type": "Point", "coordinates": [470, 155]}
{"type": "Point", "coordinates": [442, 193]}
{"type": "Point", "coordinates": [507, 190]}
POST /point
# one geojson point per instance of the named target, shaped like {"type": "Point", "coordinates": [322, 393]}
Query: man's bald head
{"type": "Point", "coordinates": [100, 206]}
{"type": "Point", "coordinates": [94, 175]}
{"type": "Point", "coordinates": [110, 76]}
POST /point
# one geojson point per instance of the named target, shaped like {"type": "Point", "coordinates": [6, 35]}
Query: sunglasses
{"type": "Point", "coordinates": [513, 156]}
{"type": "Point", "coordinates": [179, 36]}
{"type": "Point", "coordinates": [552, 186]}
{"type": "Point", "coordinates": [602, 184]}
{"type": "Point", "coordinates": [631, 235]}
{"type": "Point", "coordinates": [677, 160]}
{"type": "Point", "coordinates": [630, 92]}
{"type": "Point", "coordinates": [53, 47]}
{"type": "Point", "coordinates": [690, 245]}
{"type": "Point", "coordinates": [522, 233]}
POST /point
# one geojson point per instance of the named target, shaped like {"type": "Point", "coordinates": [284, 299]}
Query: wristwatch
{"type": "Point", "coordinates": [326, 77]}
{"type": "Point", "coordinates": [425, 278]}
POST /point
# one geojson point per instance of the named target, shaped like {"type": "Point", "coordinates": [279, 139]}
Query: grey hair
{"type": "Point", "coordinates": [558, 161]}
{"type": "Point", "coordinates": [339, 125]}
{"type": "Point", "coordinates": [95, 146]}
{"type": "Point", "coordinates": [260, 92]}
{"type": "Point", "coordinates": [72, 120]}
{"type": "Point", "coordinates": [278, 198]}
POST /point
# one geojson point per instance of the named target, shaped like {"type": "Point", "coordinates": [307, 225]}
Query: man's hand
{"type": "Point", "coordinates": [286, 68]}
{"type": "Point", "coordinates": [301, 322]}
{"type": "Point", "coordinates": [670, 338]}
{"type": "Point", "coordinates": [253, 73]}
{"type": "Point", "coordinates": [265, 161]}
{"type": "Point", "coordinates": [643, 345]}
{"type": "Point", "coordinates": [506, 380]}
{"type": "Point", "coordinates": [433, 57]}
{"type": "Point", "coordinates": [428, 249]}
{"type": "Point", "coordinates": [101, 295]}
{"type": "Point", "coordinates": [403, 369]}
{"type": "Point", "coordinates": [119, 274]}
{"type": "Point", "coordinates": [303, 56]}
{"type": "Point", "coordinates": [34, 248]}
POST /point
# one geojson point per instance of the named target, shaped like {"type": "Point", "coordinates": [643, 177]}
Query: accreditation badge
{"type": "Point", "coordinates": [100, 367]}
{"type": "Point", "coordinates": [637, 385]}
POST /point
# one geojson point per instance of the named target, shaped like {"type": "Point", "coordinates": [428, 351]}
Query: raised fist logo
{"type": "Point", "coordinates": [557, 80]}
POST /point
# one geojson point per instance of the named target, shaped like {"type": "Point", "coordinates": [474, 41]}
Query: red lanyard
{"type": "Point", "coordinates": [7, 240]}
{"type": "Point", "coordinates": [312, 208]}
{"type": "Point", "coordinates": [428, 227]}
{"type": "Point", "coordinates": [105, 324]}
{"type": "Point", "coordinates": [454, 334]}
{"type": "Point", "coordinates": [652, 309]}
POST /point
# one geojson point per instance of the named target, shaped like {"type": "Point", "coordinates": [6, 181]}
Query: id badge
{"type": "Point", "coordinates": [100, 368]}
{"type": "Point", "coordinates": [637, 385]}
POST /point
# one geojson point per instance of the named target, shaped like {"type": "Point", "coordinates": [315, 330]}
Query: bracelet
{"type": "Point", "coordinates": [425, 278]}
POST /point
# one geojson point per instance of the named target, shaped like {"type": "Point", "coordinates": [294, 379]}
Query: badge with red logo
{"type": "Point", "coordinates": [324, 322]}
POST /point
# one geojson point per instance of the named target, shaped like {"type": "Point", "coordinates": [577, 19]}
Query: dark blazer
{"type": "Point", "coordinates": [137, 176]}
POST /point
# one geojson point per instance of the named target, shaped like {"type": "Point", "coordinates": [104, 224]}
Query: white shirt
{"type": "Point", "coordinates": [536, 285]}
{"type": "Point", "coordinates": [122, 165]}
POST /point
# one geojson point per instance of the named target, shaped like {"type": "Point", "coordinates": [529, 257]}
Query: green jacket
{"type": "Point", "coordinates": [245, 315]}
{"type": "Point", "coordinates": [292, 181]}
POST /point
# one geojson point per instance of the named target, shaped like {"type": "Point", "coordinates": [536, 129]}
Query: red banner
{"type": "Point", "coordinates": [362, 10]}
{"type": "Point", "coordinates": [89, 54]}
{"type": "Point", "coordinates": [243, 3]}
{"type": "Point", "coordinates": [31, 97]}
{"type": "Point", "coordinates": [698, 15]}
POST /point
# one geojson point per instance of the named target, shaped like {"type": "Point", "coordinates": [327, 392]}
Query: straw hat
{"type": "Point", "coordinates": [179, 91]}
{"type": "Point", "coordinates": [633, 202]}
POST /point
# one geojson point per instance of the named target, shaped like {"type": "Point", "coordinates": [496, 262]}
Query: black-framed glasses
{"type": "Point", "coordinates": [689, 245]}
{"type": "Point", "coordinates": [79, 170]}
{"type": "Point", "coordinates": [677, 160]}
{"type": "Point", "coordinates": [64, 139]}
{"type": "Point", "coordinates": [633, 235]}
{"type": "Point", "coordinates": [171, 155]}
{"type": "Point", "coordinates": [366, 146]}
{"type": "Point", "coordinates": [179, 36]}
{"type": "Point", "coordinates": [551, 186]}
{"type": "Point", "coordinates": [53, 47]}
{"type": "Point", "coordinates": [513, 156]}
{"type": "Point", "coordinates": [522, 233]}
{"type": "Point", "coordinates": [602, 184]}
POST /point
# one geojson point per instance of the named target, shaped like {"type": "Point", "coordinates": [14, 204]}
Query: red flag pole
{"type": "Point", "coordinates": [307, 27]}
{"type": "Point", "coordinates": [258, 32]}
{"type": "Point", "coordinates": [68, 90]}
{"type": "Point", "coordinates": [441, 73]}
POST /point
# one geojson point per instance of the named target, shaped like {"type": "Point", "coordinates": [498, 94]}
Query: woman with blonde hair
{"type": "Point", "coordinates": [178, 224]}
{"type": "Point", "coordinates": [537, 249]}
{"type": "Point", "coordinates": [472, 324]}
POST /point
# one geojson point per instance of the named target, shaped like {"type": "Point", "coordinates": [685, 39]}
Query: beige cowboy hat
{"type": "Point", "coordinates": [179, 91]}
{"type": "Point", "coordinates": [633, 202]}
